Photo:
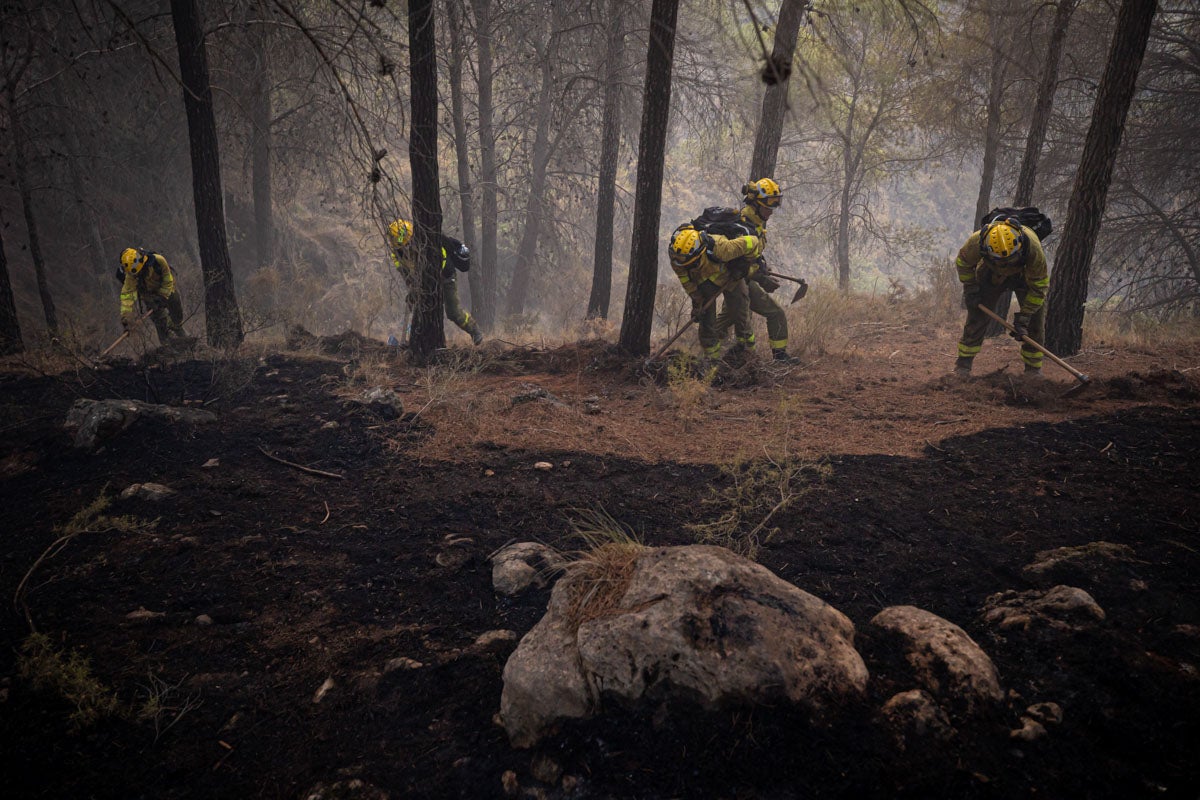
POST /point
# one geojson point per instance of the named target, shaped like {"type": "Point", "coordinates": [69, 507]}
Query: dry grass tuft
{"type": "Point", "coordinates": [600, 572]}
{"type": "Point", "coordinates": [690, 385]}
{"type": "Point", "coordinates": [68, 675]}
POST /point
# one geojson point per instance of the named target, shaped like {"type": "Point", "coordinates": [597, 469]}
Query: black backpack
{"type": "Point", "coordinates": [1029, 216]}
{"type": "Point", "coordinates": [721, 221]}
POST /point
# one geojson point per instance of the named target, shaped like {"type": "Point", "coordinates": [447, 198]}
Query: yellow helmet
{"type": "Point", "coordinates": [1002, 241]}
{"type": "Point", "coordinates": [763, 191]}
{"type": "Point", "coordinates": [132, 260]}
{"type": "Point", "coordinates": [401, 231]}
{"type": "Point", "coordinates": [686, 246]}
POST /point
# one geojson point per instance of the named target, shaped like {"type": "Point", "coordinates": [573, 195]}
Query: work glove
{"type": "Point", "coordinates": [970, 296]}
{"type": "Point", "coordinates": [697, 309]}
{"type": "Point", "coordinates": [768, 283]}
{"type": "Point", "coordinates": [708, 243]}
{"type": "Point", "coordinates": [1021, 325]}
{"type": "Point", "coordinates": [126, 322]}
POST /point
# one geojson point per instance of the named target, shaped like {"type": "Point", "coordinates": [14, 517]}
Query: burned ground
{"type": "Point", "coordinates": [937, 493]}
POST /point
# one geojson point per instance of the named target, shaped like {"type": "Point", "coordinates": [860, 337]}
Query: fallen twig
{"type": "Point", "coordinates": [301, 467]}
{"type": "Point", "coordinates": [322, 522]}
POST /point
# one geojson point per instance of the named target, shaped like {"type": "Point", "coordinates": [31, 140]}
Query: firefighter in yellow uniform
{"type": "Point", "coordinates": [702, 263]}
{"type": "Point", "coordinates": [148, 278]}
{"type": "Point", "coordinates": [761, 197]}
{"type": "Point", "coordinates": [1003, 256]}
{"type": "Point", "coordinates": [455, 256]}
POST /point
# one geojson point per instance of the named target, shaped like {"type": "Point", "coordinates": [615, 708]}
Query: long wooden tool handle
{"type": "Point", "coordinates": [125, 335]}
{"type": "Point", "coordinates": [1079, 375]}
{"type": "Point", "coordinates": [679, 332]}
{"type": "Point", "coordinates": [784, 277]}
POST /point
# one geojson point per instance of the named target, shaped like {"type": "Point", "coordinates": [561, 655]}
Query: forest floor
{"type": "Point", "coordinates": [238, 640]}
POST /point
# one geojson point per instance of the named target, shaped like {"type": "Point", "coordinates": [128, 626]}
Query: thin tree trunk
{"type": "Point", "coordinates": [264, 216]}
{"type": "Point", "coordinates": [843, 235]}
{"type": "Point", "coordinates": [644, 251]}
{"type": "Point", "coordinates": [991, 137]}
{"type": "Point", "coordinates": [1072, 267]}
{"type": "Point", "coordinates": [488, 267]}
{"type": "Point", "coordinates": [223, 320]}
{"type": "Point", "coordinates": [100, 270]}
{"type": "Point", "coordinates": [10, 326]}
{"type": "Point", "coordinates": [25, 191]}
{"type": "Point", "coordinates": [1044, 104]}
{"type": "Point", "coordinates": [774, 105]}
{"type": "Point", "coordinates": [428, 333]}
{"type": "Point", "coordinates": [610, 150]}
{"type": "Point", "coordinates": [462, 149]}
{"type": "Point", "coordinates": [535, 209]}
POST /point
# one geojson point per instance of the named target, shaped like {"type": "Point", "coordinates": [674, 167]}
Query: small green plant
{"type": "Point", "coordinates": [757, 492]}
{"type": "Point", "coordinates": [69, 675]}
{"type": "Point", "coordinates": [689, 383]}
{"type": "Point", "coordinates": [601, 569]}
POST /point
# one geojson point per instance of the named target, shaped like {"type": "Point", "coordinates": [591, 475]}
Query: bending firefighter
{"type": "Point", "coordinates": [761, 197]}
{"type": "Point", "coordinates": [148, 278]}
{"type": "Point", "coordinates": [709, 265]}
{"type": "Point", "coordinates": [1003, 256]}
{"type": "Point", "coordinates": [455, 256]}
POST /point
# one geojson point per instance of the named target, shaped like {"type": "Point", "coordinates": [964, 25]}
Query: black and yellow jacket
{"type": "Point", "coordinates": [719, 265]}
{"type": "Point", "coordinates": [155, 278]}
{"type": "Point", "coordinates": [1031, 274]}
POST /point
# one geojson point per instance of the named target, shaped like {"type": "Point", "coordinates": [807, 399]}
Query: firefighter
{"type": "Point", "coordinates": [761, 197]}
{"type": "Point", "coordinates": [1003, 256]}
{"type": "Point", "coordinates": [147, 278]}
{"type": "Point", "coordinates": [708, 265]}
{"type": "Point", "coordinates": [455, 256]}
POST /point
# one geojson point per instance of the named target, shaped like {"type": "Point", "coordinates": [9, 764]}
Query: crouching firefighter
{"type": "Point", "coordinates": [148, 280]}
{"type": "Point", "coordinates": [455, 256]}
{"type": "Point", "coordinates": [708, 265]}
{"type": "Point", "coordinates": [1003, 256]}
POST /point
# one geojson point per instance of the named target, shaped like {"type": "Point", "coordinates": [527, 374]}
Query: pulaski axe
{"type": "Point", "coordinates": [125, 335]}
{"type": "Point", "coordinates": [800, 291]}
{"type": "Point", "coordinates": [1084, 380]}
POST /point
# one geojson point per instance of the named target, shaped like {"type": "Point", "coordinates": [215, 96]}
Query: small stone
{"type": "Point", "coordinates": [544, 466]}
{"type": "Point", "coordinates": [147, 491]}
{"type": "Point", "coordinates": [488, 473]}
{"type": "Point", "coordinates": [1137, 585]}
{"type": "Point", "coordinates": [332, 425]}
{"type": "Point", "coordinates": [4, 695]}
{"type": "Point", "coordinates": [570, 783]}
{"type": "Point", "coordinates": [498, 641]}
{"type": "Point", "coordinates": [509, 781]}
{"type": "Point", "coordinates": [1031, 730]}
{"type": "Point", "coordinates": [204, 620]}
{"type": "Point", "coordinates": [323, 690]}
{"type": "Point", "coordinates": [1049, 713]}
{"type": "Point", "coordinates": [212, 463]}
{"type": "Point", "coordinates": [401, 662]}
{"type": "Point", "coordinates": [142, 614]}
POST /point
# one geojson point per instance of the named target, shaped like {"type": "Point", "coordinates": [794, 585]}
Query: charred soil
{"type": "Point", "coordinates": [251, 632]}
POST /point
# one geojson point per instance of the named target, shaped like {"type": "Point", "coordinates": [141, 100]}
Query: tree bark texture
{"type": "Point", "coordinates": [644, 251]}
{"type": "Point", "coordinates": [10, 326]}
{"type": "Point", "coordinates": [488, 266]}
{"type": "Point", "coordinates": [1043, 105]}
{"type": "Point", "coordinates": [1072, 266]}
{"type": "Point", "coordinates": [775, 104]}
{"type": "Point", "coordinates": [25, 191]}
{"type": "Point", "coordinates": [991, 136]}
{"type": "Point", "coordinates": [428, 333]}
{"type": "Point", "coordinates": [462, 149]}
{"type": "Point", "coordinates": [223, 319]}
{"type": "Point", "coordinates": [262, 112]}
{"type": "Point", "coordinates": [610, 147]}
{"type": "Point", "coordinates": [518, 290]}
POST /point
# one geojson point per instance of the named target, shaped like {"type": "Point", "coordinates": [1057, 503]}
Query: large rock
{"type": "Point", "coordinates": [518, 566]}
{"type": "Point", "coordinates": [694, 625]}
{"type": "Point", "coordinates": [380, 401]}
{"type": "Point", "coordinates": [1092, 565]}
{"type": "Point", "coordinates": [913, 717]}
{"type": "Point", "coordinates": [944, 660]}
{"type": "Point", "coordinates": [94, 422]}
{"type": "Point", "coordinates": [1063, 608]}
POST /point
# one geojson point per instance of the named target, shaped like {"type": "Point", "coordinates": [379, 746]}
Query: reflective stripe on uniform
{"type": "Point", "coordinates": [968, 351]}
{"type": "Point", "coordinates": [127, 299]}
{"type": "Point", "coordinates": [966, 272]}
{"type": "Point", "coordinates": [747, 340]}
{"type": "Point", "coordinates": [1039, 286]}
{"type": "Point", "coordinates": [714, 351]}
{"type": "Point", "coordinates": [778, 344]}
{"type": "Point", "coordinates": [1032, 358]}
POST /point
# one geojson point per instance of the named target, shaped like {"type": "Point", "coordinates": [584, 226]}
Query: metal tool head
{"type": "Point", "coordinates": [803, 290]}
{"type": "Point", "coordinates": [1084, 382]}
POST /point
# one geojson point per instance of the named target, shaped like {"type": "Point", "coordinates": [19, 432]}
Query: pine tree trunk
{"type": "Point", "coordinates": [10, 326]}
{"type": "Point", "coordinates": [264, 216]}
{"type": "Point", "coordinates": [462, 151]}
{"type": "Point", "coordinates": [488, 268]}
{"type": "Point", "coordinates": [222, 316]}
{"type": "Point", "coordinates": [1043, 105]}
{"type": "Point", "coordinates": [428, 333]}
{"type": "Point", "coordinates": [774, 105]}
{"type": "Point", "coordinates": [644, 251]}
{"type": "Point", "coordinates": [25, 191]}
{"type": "Point", "coordinates": [535, 209]}
{"type": "Point", "coordinates": [991, 150]}
{"type": "Point", "coordinates": [1072, 266]}
{"type": "Point", "coordinates": [610, 147]}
